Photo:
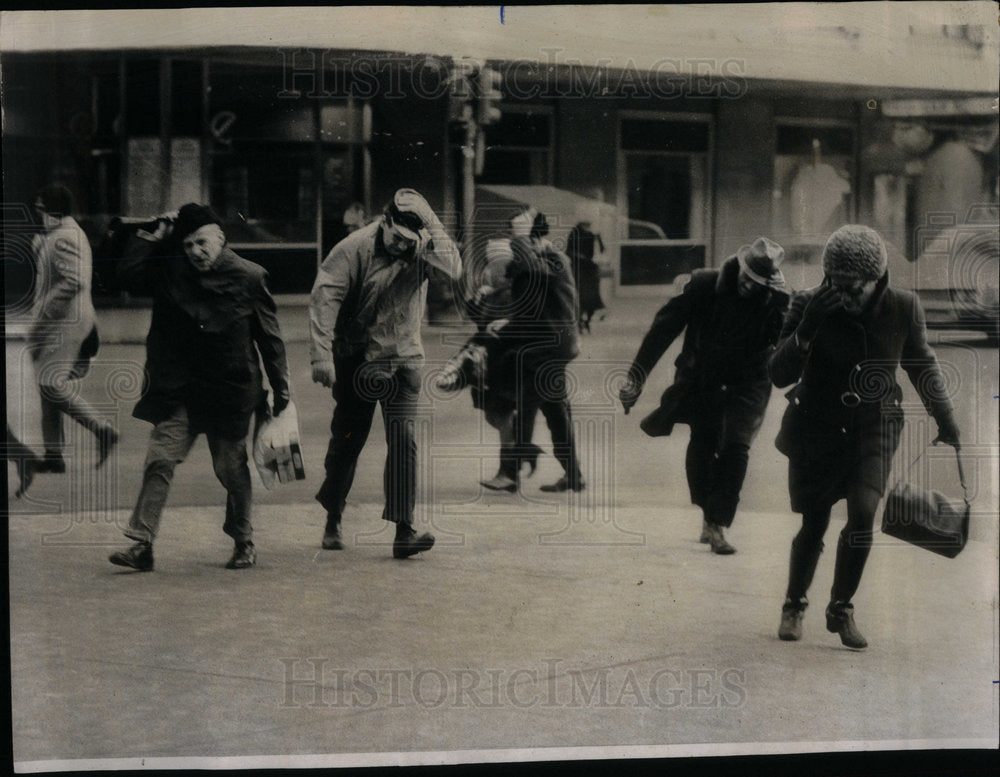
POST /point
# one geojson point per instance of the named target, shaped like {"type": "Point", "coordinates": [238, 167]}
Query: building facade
{"type": "Point", "coordinates": [691, 158]}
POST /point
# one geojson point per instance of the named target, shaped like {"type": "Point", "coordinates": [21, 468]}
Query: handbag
{"type": "Point", "coordinates": [927, 518]}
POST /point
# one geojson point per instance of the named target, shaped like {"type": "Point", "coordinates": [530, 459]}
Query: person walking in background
{"type": "Point", "coordinates": [840, 345]}
{"type": "Point", "coordinates": [731, 317]}
{"type": "Point", "coordinates": [63, 337]}
{"type": "Point", "coordinates": [580, 247]}
{"type": "Point", "coordinates": [367, 304]}
{"type": "Point", "coordinates": [212, 315]}
{"type": "Point", "coordinates": [539, 340]}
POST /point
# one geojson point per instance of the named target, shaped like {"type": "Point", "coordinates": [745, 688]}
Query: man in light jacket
{"type": "Point", "coordinates": [367, 304]}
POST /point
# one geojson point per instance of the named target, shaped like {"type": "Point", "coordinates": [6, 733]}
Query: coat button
{"type": "Point", "coordinates": [843, 430]}
{"type": "Point", "coordinates": [724, 387]}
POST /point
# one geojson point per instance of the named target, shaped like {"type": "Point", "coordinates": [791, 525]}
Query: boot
{"type": "Point", "coordinates": [840, 620]}
{"type": "Point", "coordinates": [332, 539]}
{"type": "Point", "coordinates": [138, 557]}
{"type": "Point", "coordinates": [792, 612]}
{"type": "Point", "coordinates": [718, 541]}
{"type": "Point", "coordinates": [705, 538]}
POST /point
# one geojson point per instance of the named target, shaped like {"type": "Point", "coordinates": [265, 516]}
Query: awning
{"type": "Point", "coordinates": [943, 46]}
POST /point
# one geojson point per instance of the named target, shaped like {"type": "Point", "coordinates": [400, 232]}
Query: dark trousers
{"type": "Point", "coordinates": [853, 544]}
{"type": "Point", "coordinates": [715, 469]}
{"type": "Point", "coordinates": [360, 386]}
{"type": "Point", "coordinates": [545, 390]}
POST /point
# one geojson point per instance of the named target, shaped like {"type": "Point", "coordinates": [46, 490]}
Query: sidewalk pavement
{"type": "Point", "coordinates": [533, 625]}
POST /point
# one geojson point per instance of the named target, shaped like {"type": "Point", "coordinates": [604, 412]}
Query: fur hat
{"type": "Point", "coordinates": [192, 217]}
{"type": "Point", "coordinates": [855, 251]}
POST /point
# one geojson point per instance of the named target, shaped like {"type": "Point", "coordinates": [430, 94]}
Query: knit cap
{"type": "Point", "coordinates": [192, 217]}
{"type": "Point", "coordinates": [855, 251]}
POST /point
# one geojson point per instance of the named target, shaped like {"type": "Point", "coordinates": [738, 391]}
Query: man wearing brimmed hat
{"type": "Point", "coordinates": [367, 304]}
{"type": "Point", "coordinates": [841, 344]}
{"type": "Point", "coordinates": [212, 314]}
{"type": "Point", "coordinates": [731, 317]}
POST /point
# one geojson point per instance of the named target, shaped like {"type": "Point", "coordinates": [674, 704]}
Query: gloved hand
{"type": "Point", "coordinates": [824, 302]}
{"type": "Point", "coordinates": [629, 394]}
{"type": "Point", "coordinates": [947, 432]}
{"type": "Point", "coordinates": [281, 399]}
{"type": "Point", "coordinates": [324, 373]}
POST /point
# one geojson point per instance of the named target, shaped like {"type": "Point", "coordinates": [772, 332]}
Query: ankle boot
{"type": "Point", "coordinates": [840, 620]}
{"type": "Point", "coordinates": [718, 541]}
{"type": "Point", "coordinates": [792, 612]}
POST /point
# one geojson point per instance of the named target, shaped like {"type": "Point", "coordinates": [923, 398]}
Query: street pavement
{"type": "Point", "coordinates": [540, 626]}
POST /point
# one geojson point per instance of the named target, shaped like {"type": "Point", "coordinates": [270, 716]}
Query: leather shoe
{"type": "Point", "coordinates": [332, 539]}
{"type": "Point", "coordinates": [244, 556]}
{"type": "Point", "coordinates": [840, 620]}
{"type": "Point", "coordinates": [107, 438]}
{"type": "Point", "coordinates": [139, 557]}
{"type": "Point", "coordinates": [564, 484]}
{"type": "Point", "coordinates": [718, 541]}
{"type": "Point", "coordinates": [410, 543]}
{"type": "Point", "coordinates": [500, 483]}
{"type": "Point", "coordinates": [792, 613]}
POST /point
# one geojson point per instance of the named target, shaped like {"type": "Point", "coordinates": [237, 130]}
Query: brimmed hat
{"type": "Point", "coordinates": [405, 221]}
{"type": "Point", "coordinates": [192, 217]}
{"type": "Point", "coordinates": [760, 260]}
{"type": "Point", "coordinates": [855, 251]}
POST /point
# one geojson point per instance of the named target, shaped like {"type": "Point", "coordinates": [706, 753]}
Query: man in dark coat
{"type": "Point", "coordinates": [732, 316]}
{"type": "Point", "coordinates": [841, 343]}
{"type": "Point", "coordinates": [212, 314]}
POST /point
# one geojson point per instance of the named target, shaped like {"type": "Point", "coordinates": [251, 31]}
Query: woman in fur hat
{"type": "Point", "coordinates": [841, 344]}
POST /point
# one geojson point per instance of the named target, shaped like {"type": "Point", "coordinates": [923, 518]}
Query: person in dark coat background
{"type": "Point", "coordinates": [540, 339]}
{"type": "Point", "coordinates": [841, 344]}
{"type": "Point", "coordinates": [732, 316]}
{"type": "Point", "coordinates": [212, 313]}
{"type": "Point", "coordinates": [580, 247]}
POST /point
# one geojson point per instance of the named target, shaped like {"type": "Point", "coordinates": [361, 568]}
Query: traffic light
{"type": "Point", "coordinates": [460, 91]}
{"type": "Point", "coordinates": [489, 94]}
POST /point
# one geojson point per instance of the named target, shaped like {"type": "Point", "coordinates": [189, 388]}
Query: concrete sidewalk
{"type": "Point", "coordinates": [531, 626]}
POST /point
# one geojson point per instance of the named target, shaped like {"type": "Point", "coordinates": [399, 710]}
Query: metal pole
{"type": "Point", "coordinates": [468, 183]}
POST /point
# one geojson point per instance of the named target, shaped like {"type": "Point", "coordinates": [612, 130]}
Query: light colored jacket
{"type": "Point", "coordinates": [366, 301]}
{"type": "Point", "coordinates": [63, 336]}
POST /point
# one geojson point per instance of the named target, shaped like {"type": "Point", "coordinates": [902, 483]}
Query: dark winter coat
{"type": "Point", "coordinates": [721, 375]}
{"type": "Point", "coordinates": [844, 416]}
{"type": "Point", "coordinates": [201, 350]}
{"type": "Point", "coordinates": [543, 305]}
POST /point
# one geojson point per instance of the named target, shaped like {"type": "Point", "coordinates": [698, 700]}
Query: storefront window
{"type": "Point", "coordinates": [519, 147]}
{"type": "Point", "coordinates": [814, 191]}
{"type": "Point", "coordinates": [664, 176]}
